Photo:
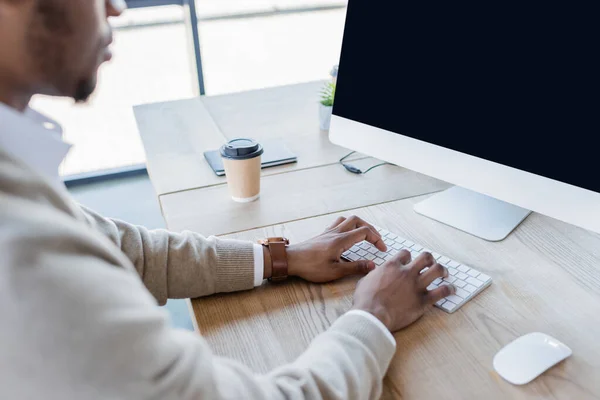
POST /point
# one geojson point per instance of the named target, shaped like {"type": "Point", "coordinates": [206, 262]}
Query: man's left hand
{"type": "Point", "coordinates": [319, 259]}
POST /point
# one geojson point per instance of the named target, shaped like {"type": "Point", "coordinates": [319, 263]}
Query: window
{"type": "Point", "coordinates": [245, 45]}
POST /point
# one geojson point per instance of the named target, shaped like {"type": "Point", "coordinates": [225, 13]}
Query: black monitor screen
{"type": "Point", "coordinates": [514, 82]}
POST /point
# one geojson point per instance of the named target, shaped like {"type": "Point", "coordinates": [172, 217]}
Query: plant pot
{"type": "Point", "coordinates": [325, 116]}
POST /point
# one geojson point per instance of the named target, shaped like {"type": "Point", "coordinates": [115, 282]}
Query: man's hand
{"type": "Point", "coordinates": [319, 259]}
{"type": "Point", "coordinates": [396, 292]}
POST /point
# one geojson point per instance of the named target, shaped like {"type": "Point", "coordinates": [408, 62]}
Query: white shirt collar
{"type": "Point", "coordinates": [33, 139]}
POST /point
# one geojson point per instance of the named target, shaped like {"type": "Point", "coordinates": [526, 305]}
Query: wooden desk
{"type": "Point", "coordinates": [546, 278]}
{"type": "Point", "coordinates": [546, 273]}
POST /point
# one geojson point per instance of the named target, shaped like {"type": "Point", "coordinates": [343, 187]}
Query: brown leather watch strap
{"type": "Point", "coordinates": [279, 264]}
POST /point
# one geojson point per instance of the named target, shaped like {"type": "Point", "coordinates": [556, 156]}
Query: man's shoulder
{"type": "Point", "coordinates": [20, 183]}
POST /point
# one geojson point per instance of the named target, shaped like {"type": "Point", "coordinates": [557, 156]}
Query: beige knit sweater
{"type": "Point", "coordinates": [79, 316]}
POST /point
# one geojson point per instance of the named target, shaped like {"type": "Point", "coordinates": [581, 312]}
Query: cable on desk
{"type": "Point", "coordinates": [355, 170]}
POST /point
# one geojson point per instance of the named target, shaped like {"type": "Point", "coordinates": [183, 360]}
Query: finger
{"type": "Point", "coordinates": [360, 234]}
{"type": "Point", "coordinates": [402, 258]}
{"type": "Point", "coordinates": [431, 274]}
{"type": "Point", "coordinates": [360, 267]}
{"type": "Point", "coordinates": [337, 221]}
{"type": "Point", "coordinates": [354, 222]}
{"type": "Point", "coordinates": [435, 295]}
{"type": "Point", "coordinates": [423, 261]}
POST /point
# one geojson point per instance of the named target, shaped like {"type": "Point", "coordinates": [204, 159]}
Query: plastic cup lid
{"type": "Point", "coordinates": [241, 149]}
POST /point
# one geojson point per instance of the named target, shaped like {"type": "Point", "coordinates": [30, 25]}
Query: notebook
{"type": "Point", "coordinates": [276, 153]}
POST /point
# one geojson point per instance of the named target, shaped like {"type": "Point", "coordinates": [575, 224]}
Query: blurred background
{"type": "Point", "coordinates": [243, 44]}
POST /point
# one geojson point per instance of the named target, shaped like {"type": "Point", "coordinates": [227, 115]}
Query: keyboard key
{"type": "Point", "coordinates": [389, 242]}
{"type": "Point", "coordinates": [453, 264]}
{"type": "Point", "coordinates": [370, 256]}
{"type": "Point", "coordinates": [452, 271]}
{"type": "Point", "coordinates": [414, 254]}
{"type": "Point", "coordinates": [362, 253]}
{"type": "Point", "coordinates": [397, 246]}
{"type": "Point", "coordinates": [483, 277]}
{"type": "Point", "coordinates": [450, 279]}
{"type": "Point", "coordinates": [473, 273]}
{"type": "Point", "coordinates": [354, 249]}
{"type": "Point", "coordinates": [462, 293]}
{"type": "Point", "coordinates": [462, 275]}
{"type": "Point", "coordinates": [448, 305]}
{"type": "Point", "coordinates": [384, 233]}
{"type": "Point", "coordinates": [380, 254]}
{"type": "Point", "coordinates": [373, 250]}
{"type": "Point", "coordinates": [440, 302]}
{"type": "Point", "coordinates": [417, 247]}
{"type": "Point", "coordinates": [444, 260]}
{"type": "Point", "coordinates": [391, 236]}
{"type": "Point", "coordinates": [475, 282]}
{"type": "Point", "coordinates": [378, 261]}
{"type": "Point", "coordinates": [393, 252]}
{"type": "Point", "coordinates": [346, 253]}
{"type": "Point", "coordinates": [470, 288]}
{"type": "Point", "coordinates": [388, 257]}
{"type": "Point", "coordinates": [459, 283]}
{"type": "Point", "coordinates": [463, 268]}
{"type": "Point", "coordinates": [408, 243]}
{"type": "Point", "coordinates": [455, 299]}
{"type": "Point", "coordinates": [435, 255]}
{"type": "Point", "coordinates": [353, 257]}
{"type": "Point", "coordinates": [365, 246]}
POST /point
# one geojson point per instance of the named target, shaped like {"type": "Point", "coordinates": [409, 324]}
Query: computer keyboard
{"type": "Point", "coordinates": [468, 281]}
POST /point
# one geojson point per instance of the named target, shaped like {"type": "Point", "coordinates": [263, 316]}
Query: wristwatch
{"type": "Point", "coordinates": [279, 263]}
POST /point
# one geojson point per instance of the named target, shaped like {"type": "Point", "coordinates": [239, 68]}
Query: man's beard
{"type": "Point", "coordinates": [84, 90]}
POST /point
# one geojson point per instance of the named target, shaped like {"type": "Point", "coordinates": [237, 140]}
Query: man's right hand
{"type": "Point", "coordinates": [396, 293]}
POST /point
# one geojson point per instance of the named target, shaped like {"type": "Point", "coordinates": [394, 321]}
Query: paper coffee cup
{"type": "Point", "coordinates": [242, 162]}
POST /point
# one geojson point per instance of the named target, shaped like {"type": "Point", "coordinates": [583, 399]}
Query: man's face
{"type": "Point", "coordinates": [59, 44]}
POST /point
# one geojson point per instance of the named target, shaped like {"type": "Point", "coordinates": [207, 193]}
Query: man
{"type": "Point", "coordinates": [77, 320]}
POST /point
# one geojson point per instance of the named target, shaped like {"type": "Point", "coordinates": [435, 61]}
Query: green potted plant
{"type": "Point", "coordinates": [326, 105]}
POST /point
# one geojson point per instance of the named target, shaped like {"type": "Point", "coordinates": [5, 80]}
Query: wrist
{"type": "Point", "coordinates": [378, 312]}
{"type": "Point", "coordinates": [294, 260]}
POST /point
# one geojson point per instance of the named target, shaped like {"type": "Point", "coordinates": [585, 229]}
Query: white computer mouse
{"type": "Point", "coordinates": [526, 357]}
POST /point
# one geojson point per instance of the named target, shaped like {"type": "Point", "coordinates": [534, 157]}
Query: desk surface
{"type": "Point", "coordinates": [546, 278]}
{"type": "Point", "coordinates": [546, 273]}
{"type": "Point", "coordinates": [175, 135]}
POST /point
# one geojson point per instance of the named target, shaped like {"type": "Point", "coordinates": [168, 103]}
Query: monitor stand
{"type": "Point", "coordinates": [474, 213]}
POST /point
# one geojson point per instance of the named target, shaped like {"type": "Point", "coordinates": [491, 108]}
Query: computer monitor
{"type": "Point", "coordinates": [500, 98]}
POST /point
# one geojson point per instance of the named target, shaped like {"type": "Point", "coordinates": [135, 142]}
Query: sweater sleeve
{"type": "Point", "coordinates": [109, 340]}
{"type": "Point", "coordinates": [180, 265]}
